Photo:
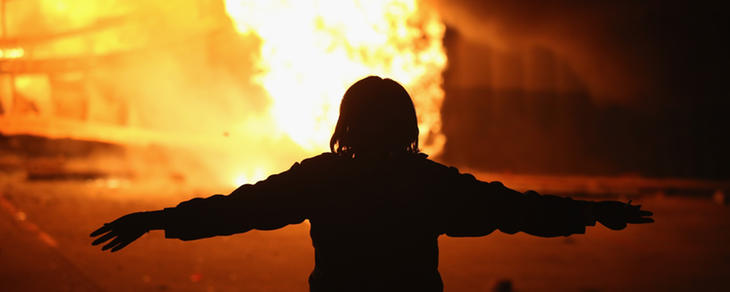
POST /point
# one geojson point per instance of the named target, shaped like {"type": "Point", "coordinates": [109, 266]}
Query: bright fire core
{"type": "Point", "coordinates": [311, 51]}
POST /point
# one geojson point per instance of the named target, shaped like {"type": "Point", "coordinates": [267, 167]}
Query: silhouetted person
{"type": "Point", "coordinates": [375, 203]}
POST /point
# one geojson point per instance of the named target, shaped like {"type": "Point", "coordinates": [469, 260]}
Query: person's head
{"type": "Point", "coordinates": [376, 116]}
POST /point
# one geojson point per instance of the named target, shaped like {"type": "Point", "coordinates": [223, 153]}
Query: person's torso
{"type": "Point", "coordinates": [376, 222]}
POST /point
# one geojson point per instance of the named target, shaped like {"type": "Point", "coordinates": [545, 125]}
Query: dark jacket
{"type": "Point", "coordinates": [375, 221]}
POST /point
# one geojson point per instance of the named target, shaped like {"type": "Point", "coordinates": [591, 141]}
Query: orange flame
{"type": "Point", "coordinates": [311, 51]}
{"type": "Point", "coordinates": [11, 53]}
{"type": "Point", "coordinates": [176, 74]}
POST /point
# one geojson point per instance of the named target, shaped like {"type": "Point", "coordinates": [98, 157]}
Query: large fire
{"type": "Point", "coordinates": [248, 103]}
{"type": "Point", "coordinates": [312, 51]}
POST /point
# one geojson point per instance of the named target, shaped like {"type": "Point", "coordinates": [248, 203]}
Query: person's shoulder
{"type": "Point", "coordinates": [423, 160]}
{"type": "Point", "coordinates": [314, 166]}
{"type": "Point", "coordinates": [322, 160]}
{"type": "Point", "coordinates": [436, 168]}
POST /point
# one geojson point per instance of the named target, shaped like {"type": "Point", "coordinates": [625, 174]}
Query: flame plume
{"type": "Point", "coordinates": [311, 51]}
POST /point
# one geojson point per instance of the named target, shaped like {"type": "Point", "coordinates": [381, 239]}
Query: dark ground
{"type": "Point", "coordinates": [685, 250]}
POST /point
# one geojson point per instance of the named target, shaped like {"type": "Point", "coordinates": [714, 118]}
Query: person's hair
{"type": "Point", "coordinates": [376, 115]}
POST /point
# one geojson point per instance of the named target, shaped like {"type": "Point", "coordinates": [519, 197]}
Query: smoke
{"type": "Point", "coordinates": [652, 73]}
{"type": "Point", "coordinates": [598, 40]}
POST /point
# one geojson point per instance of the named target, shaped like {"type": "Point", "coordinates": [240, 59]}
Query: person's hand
{"type": "Point", "coordinates": [615, 215]}
{"type": "Point", "coordinates": [123, 231]}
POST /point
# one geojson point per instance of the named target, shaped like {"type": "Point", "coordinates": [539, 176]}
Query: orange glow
{"type": "Point", "coordinates": [11, 53]}
{"type": "Point", "coordinates": [312, 51]}
{"type": "Point", "coordinates": [245, 87]}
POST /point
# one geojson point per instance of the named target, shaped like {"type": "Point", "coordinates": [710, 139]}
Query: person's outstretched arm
{"type": "Point", "coordinates": [269, 204]}
{"type": "Point", "coordinates": [481, 207]}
